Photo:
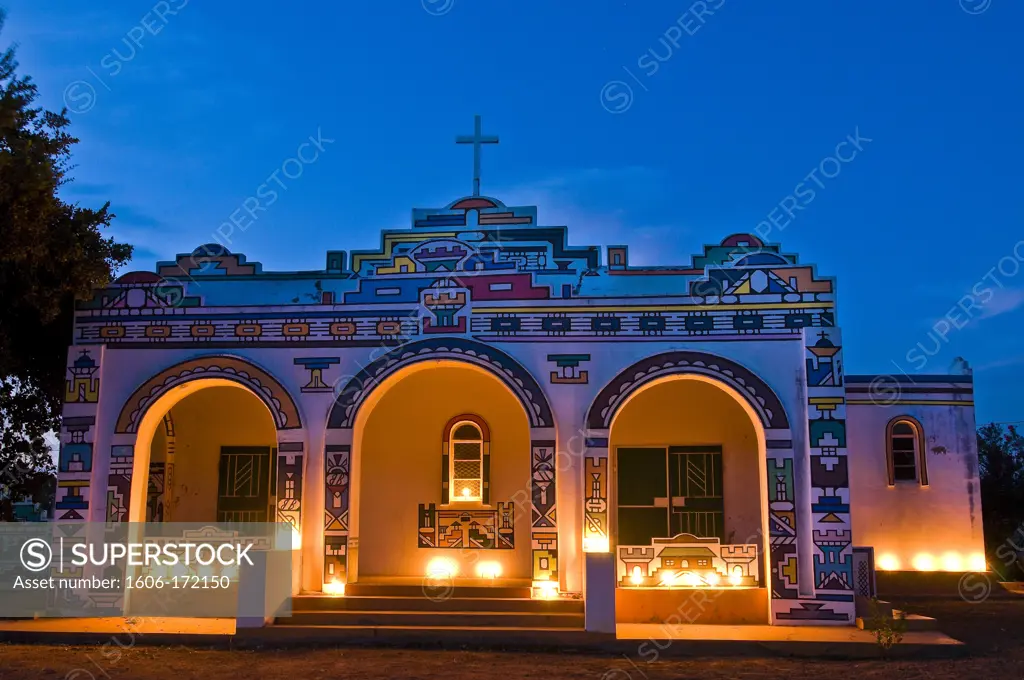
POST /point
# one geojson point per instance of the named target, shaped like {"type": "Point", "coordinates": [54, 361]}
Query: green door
{"type": "Point", "coordinates": [697, 505]}
{"type": "Point", "coordinates": [667, 491]}
{"type": "Point", "coordinates": [643, 494]}
{"type": "Point", "coordinates": [243, 488]}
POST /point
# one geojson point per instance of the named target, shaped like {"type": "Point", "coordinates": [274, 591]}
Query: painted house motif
{"type": "Point", "coordinates": [482, 390]}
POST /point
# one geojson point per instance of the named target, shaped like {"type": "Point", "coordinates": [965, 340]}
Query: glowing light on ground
{"type": "Point", "coordinates": [637, 577]}
{"type": "Point", "coordinates": [690, 579]}
{"type": "Point", "coordinates": [711, 579]}
{"type": "Point", "coordinates": [334, 588]}
{"type": "Point", "coordinates": [545, 590]}
{"type": "Point", "coordinates": [442, 567]}
{"type": "Point", "coordinates": [668, 578]}
{"type": "Point", "coordinates": [948, 561]}
{"type": "Point", "coordinates": [952, 561]}
{"type": "Point", "coordinates": [488, 570]}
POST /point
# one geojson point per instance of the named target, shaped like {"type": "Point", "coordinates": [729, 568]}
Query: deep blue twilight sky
{"type": "Point", "coordinates": [178, 132]}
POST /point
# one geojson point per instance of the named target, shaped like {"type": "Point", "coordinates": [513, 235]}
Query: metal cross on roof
{"type": "Point", "coordinates": [477, 139]}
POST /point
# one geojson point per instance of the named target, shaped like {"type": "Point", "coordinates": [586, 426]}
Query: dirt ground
{"type": "Point", "coordinates": [993, 631]}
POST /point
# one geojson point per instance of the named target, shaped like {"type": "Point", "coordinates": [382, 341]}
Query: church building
{"type": "Point", "coordinates": [485, 401]}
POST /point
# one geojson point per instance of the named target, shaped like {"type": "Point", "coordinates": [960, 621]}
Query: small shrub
{"type": "Point", "coordinates": [888, 630]}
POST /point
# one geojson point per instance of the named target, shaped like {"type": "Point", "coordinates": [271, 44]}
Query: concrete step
{"type": "Point", "coordinates": [426, 591]}
{"type": "Point", "coordinates": [915, 622]}
{"type": "Point", "coordinates": [319, 603]}
{"type": "Point", "coordinates": [866, 606]}
{"type": "Point", "coordinates": [428, 619]}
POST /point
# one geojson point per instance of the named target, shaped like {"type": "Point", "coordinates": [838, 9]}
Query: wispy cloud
{"type": "Point", "coordinates": [132, 217]}
{"type": "Point", "coordinates": [143, 258]}
{"type": "Point", "coordinates": [76, 189]}
{"type": "Point", "coordinates": [1000, 363]}
{"type": "Point", "coordinates": [1003, 301]}
{"type": "Point", "coordinates": [595, 204]}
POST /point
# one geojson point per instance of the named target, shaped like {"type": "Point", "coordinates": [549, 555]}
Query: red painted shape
{"type": "Point", "coordinates": [139, 277]}
{"type": "Point", "coordinates": [470, 203]}
{"type": "Point", "coordinates": [735, 240]}
{"type": "Point", "coordinates": [428, 327]}
{"type": "Point", "coordinates": [521, 287]}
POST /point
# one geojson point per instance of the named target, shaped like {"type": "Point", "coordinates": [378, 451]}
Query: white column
{"type": "Point", "coordinates": [569, 465]}
{"type": "Point", "coordinates": [315, 408]}
{"type": "Point", "coordinates": [600, 593]}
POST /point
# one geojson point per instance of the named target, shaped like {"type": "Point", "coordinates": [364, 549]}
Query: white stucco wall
{"type": "Point", "coordinates": [914, 527]}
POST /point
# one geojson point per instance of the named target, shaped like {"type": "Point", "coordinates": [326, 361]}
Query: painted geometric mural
{"type": "Point", "coordinates": [481, 529]}
{"type": "Point", "coordinates": [830, 481]}
{"type": "Point", "coordinates": [336, 501]}
{"type": "Point", "coordinates": [782, 527]}
{"type": "Point", "coordinates": [595, 479]}
{"type": "Point", "coordinates": [687, 560]}
{"type": "Point", "coordinates": [78, 432]}
{"type": "Point", "coordinates": [289, 484]}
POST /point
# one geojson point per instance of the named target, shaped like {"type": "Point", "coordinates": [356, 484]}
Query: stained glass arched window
{"type": "Point", "coordinates": [466, 461]}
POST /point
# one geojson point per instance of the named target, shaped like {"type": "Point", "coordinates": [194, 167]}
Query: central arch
{"type": "Point", "coordinates": [534, 500]}
{"type": "Point", "coordinates": [510, 371]}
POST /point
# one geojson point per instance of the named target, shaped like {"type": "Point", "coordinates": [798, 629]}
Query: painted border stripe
{"type": "Point", "coordinates": [781, 306]}
{"type": "Point", "coordinates": [910, 402]}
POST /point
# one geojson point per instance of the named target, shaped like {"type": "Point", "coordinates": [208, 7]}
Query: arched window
{"type": "Point", "coordinates": [466, 461]}
{"type": "Point", "coordinates": [905, 453]}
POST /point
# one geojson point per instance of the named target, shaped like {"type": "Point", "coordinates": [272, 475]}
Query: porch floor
{"type": "Point", "coordinates": [791, 634]}
{"type": "Point", "coordinates": [844, 642]}
{"type": "Point", "coordinates": [624, 631]}
{"type": "Point", "coordinates": [110, 625]}
{"type": "Point", "coordinates": [456, 581]}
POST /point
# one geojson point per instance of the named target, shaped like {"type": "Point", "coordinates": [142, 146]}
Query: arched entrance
{"type": "Point", "coordinates": [690, 482]}
{"type": "Point", "coordinates": [449, 446]}
{"type": "Point", "coordinates": [687, 458]}
{"type": "Point", "coordinates": [212, 439]}
{"type": "Point", "coordinates": [689, 501]}
{"type": "Point", "coordinates": [440, 450]}
{"type": "Point", "coordinates": [220, 466]}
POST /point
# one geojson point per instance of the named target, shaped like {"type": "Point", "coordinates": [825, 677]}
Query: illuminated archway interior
{"type": "Point", "coordinates": [408, 523]}
{"type": "Point", "coordinates": [689, 502]}
{"type": "Point", "coordinates": [205, 453]}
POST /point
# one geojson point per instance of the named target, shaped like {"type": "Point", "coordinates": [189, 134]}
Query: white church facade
{"type": "Point", "coordinates": [481, 398]}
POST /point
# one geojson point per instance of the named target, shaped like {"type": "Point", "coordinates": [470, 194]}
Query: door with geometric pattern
{"type": "Point", "coordinates": [697, 505]}
{"type": "Point", "coordinates": [244, 483]}
{"type": "Point", "coordinates": [666, 491]}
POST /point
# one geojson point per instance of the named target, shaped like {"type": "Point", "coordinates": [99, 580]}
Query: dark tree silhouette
{"type": "Point", "coordinates": [51, 254]}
